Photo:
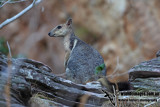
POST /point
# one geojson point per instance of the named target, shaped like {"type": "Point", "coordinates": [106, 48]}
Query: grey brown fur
{"type": "Point", "coordinates": [81, 59]}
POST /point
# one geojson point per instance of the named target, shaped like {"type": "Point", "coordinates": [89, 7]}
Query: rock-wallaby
{"type": "Point", "coordinates": [81, 59]}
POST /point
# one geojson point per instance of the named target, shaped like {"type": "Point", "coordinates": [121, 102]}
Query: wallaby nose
{"type": "Point", "coordinates": [49, 33]}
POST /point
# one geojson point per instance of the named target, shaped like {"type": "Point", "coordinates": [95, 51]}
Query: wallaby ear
{"type": "Point", "coordinates": [69, 22]}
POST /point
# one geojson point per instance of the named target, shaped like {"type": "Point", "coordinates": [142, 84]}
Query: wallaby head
{"type": "Point", "coordinates": [62, 29]}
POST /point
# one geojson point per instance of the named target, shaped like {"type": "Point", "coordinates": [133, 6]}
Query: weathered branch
{"type": "Point", "coordinates": [35, 2]}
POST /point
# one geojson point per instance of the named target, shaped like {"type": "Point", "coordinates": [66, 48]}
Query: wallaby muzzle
{"type": "Point", "coordinates": [51, 35]}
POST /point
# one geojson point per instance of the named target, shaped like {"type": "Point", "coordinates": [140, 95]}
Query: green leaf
{"type": "Point", "coordinates": [3, 46]}
{"type": "Point", "coordinates": [102, 66]}
{"type": "Point", "coordinates": [99, 68]}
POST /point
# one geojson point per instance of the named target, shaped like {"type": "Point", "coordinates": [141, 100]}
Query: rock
{"type": "Point", "coordinates": [158, 54]}
{"type": "Point", "coordinates": [146, 75]}
{"type": "Point", "coordinates": [147, 84]}
{"type": "Point", "coordinates": [146, 69]}
{"type": "Point", "coordinates": [27, 82]}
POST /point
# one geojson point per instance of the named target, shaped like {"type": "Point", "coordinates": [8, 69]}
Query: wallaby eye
{"type": "Point", "coordinates": [59, 27]}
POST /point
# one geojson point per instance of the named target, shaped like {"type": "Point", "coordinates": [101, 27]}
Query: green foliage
{"type": "Point", "coordinates": [99, 68]}
{"type": "Point", "coordinates": [3, 46]}
{"type": "Point", "coordinates": [1, 3]}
